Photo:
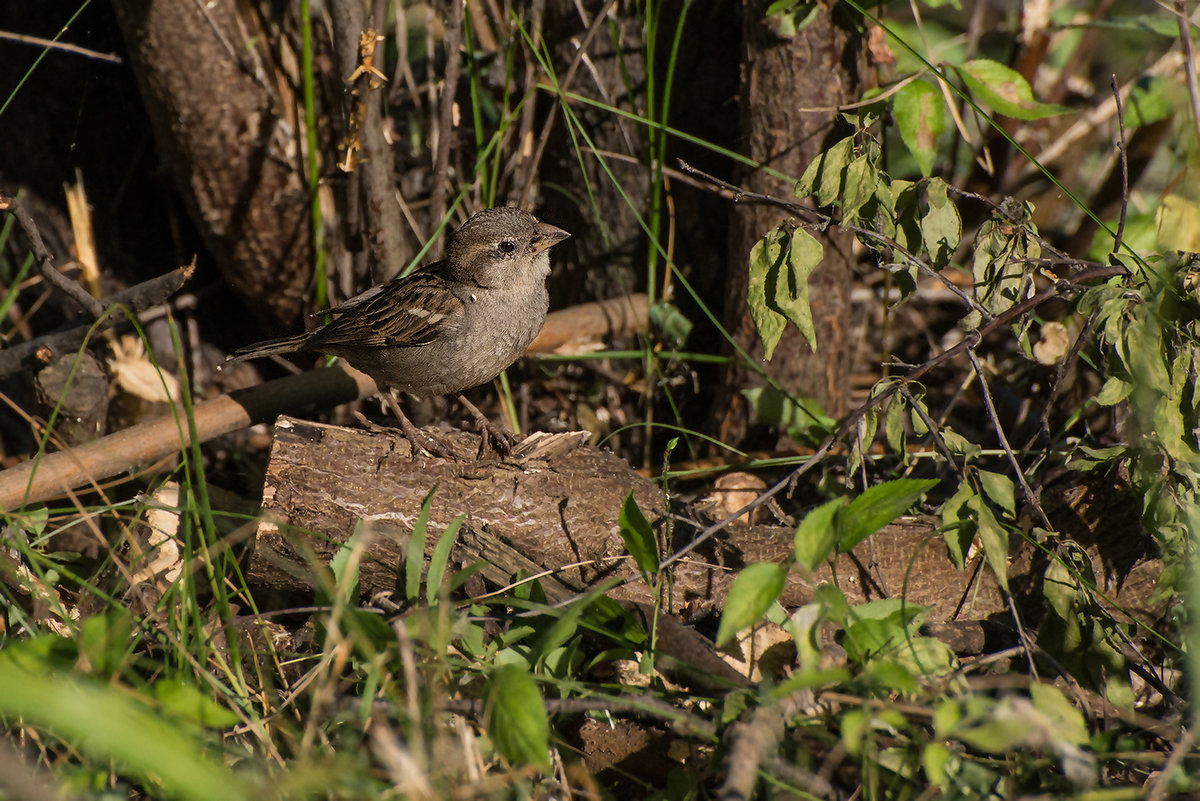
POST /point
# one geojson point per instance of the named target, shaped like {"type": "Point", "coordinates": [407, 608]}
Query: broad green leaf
{"type": "Point", "coordinates": [766, 257]}
{"type": "Point", "coordinates": [1115, 390]}
{"type": "Point", "coordinates": [959, 444]}
{"type": "Point", "coordinates": [1005, 91]}
{"type": "Point", "coordinates": [999, 489]}
{"type": "Point", "coordinates": [941, 227]}
{"type": "Point", "coordinates": [958, 529]}
{"type": "Point", "coordinates": [854, 727]}
{"type": "Point", "coordinates": [104, 723]}
{"type": "Point", "coordinates": [791, 285]}
{"type": "Point", "coordinates": [1069, 723]}
{"type": "Point", "coordinates": [184, 702]}
{"type": "Point", "coordinates": [937, 760]}
{"type": "Point", "coordinates": [946, 717]}
{"type": "Point", "coordinates": [515, 717]}
{"type": "Point", "coordinates": [824, 175]}
{"type": "Point", "coordinates": [994, 538]}
{"type": "Point", "coordinates": [441, 555]}
{"type": "Point", "coordinates": [921, 116]}
{"type": "Point", "coordinates": [876, 507]}
{"type": "Point", "coordinates": [1148, 101]}
{"type": "Point", "coordinates": [997, 736]}
{"type": "Point", "coordinates": [752, 593]}
{"type": "Point", "coordinates": [817, 534]}
{"type": "Point", "coordinates": [638, 536]}
{"type": "Point", "coordinates": [861, 180]}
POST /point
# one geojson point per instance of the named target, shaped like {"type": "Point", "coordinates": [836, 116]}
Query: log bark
{"type": "Point", "coordinates": [554, 509]}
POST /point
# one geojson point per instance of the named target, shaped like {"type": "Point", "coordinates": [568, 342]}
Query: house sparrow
{"type": "Point", "coordinates": [448, 326]}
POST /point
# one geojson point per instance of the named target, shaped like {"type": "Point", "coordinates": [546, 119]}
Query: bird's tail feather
{"type": "Point", "coordinates": [271, 347]}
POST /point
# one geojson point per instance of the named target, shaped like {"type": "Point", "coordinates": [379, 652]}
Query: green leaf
{"type": "Point", "coordinates": [184, 702]}
{"type": "Point", "coordinates": [958, 529]}
{"type": "Point", "coordinates": [920, 114]}
{"type": "Point", "coordinates": [766, 257]}
{"type": "Point", "coordinates": [752, 593]}
{"type": "Point", "coordinates": [893, 424]}
{"type": "Point", "coordinates": [638, 536]}
{"type": "Point", "coordinates": [1148, 101]}
{"type": "Point", "coordinates": [959, 444]}
{"type": "Point", "coordinates": [104, 723]}
{"type": "Point", "coordinates": [673, 324]}
{"type": "Point", "coordinates": [994, 538]}
{"type": "Point", "coordinates": [817, 534]}
{"type": "Point", "coordinates": [414, 559]}
{"type": "Point", "coordinates": [1005, 91]}
{"type": "Point", "coordinates": [999, 489]}
{"type": "Point", "coordinates": [941, 227]}
{"type": "Point", "coordinates": [515, 716]}
{"type": "Point", "coordinates": [937, 760]}
{"type": "Point", "coordinates": [441, 555]}
{"type": "Point", "coordinates": [1069, 723]}
{"type": "Point", "coordinates": [1115, 390]}
{"type": "Point", "coordinates": [861, 180]}
{"type": "Point", "coordinates": [876, 507]}
{"type": "Point", "coordinates": [823, 177]}
{"type": "Point", "coordinates": [344, 567]}
{"type": "Point", "coordinates": [791, 287]}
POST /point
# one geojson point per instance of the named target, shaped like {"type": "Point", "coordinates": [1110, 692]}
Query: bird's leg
{"type": "Point", "coordinates": [416, 437]}
{"type": "Point", "coordinates": [498, 438]}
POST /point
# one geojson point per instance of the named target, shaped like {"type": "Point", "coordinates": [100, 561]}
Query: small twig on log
{"type": "Point", "coordinates": [139, 298]}
{"type": "Point", "coordinates": [45, 261]}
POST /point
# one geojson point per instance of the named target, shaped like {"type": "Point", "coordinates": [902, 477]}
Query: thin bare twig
{"type": "Point", "coordinates": [563, 85]}
{"type": "Point", "coordinates": [45, 261]}
{"type": "Point", "coordinates": [1189, 61]}
{"type": "Point", "coordinates": [1121, 149]}
{"type": "Point", "coordinates": [441, 161]}
{"type": "Point", "coordinates": [50, 44]}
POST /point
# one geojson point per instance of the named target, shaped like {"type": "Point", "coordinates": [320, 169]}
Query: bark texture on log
{"type": "Point", "coordinates": [558, 512]}
{"type": "Point", "coordinates": [227, 131]}
{"type": "Point", "coordinates": [790, 86]}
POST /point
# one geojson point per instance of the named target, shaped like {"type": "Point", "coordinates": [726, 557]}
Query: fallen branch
{"type": "Point", "coordinates": [56, 473]}
{"type": "Point", "coordinates": [138, 298]}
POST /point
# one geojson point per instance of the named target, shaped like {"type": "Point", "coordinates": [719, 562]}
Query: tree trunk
{"type": "Point", "coordinates": [227, 130]}
{"type": "Point", "coordinates": [784, 79]}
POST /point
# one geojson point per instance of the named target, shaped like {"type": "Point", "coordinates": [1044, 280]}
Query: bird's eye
{"type": "Point", "coordinates": [508, 246]}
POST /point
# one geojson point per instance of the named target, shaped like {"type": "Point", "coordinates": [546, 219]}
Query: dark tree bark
{"type": "Point", "coordinates": [228, 134]}
{"type": "Point", "coordinates": [784, 82]}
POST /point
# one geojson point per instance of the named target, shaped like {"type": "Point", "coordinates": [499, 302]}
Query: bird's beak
{"type": "Point", "coordinates": [547, 236]}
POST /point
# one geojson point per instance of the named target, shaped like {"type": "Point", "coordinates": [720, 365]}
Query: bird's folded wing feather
{"type": "Point", "coordinates": [414, 310]}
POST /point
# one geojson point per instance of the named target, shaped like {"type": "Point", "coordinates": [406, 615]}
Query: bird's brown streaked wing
{"type": "Point", "coordinates": [414, 310]}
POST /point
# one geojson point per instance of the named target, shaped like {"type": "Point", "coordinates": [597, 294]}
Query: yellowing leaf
{"type": "Point", "coordinates": [1005, 91]}
{"type": "Point", "coordinates": [921, 116]}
